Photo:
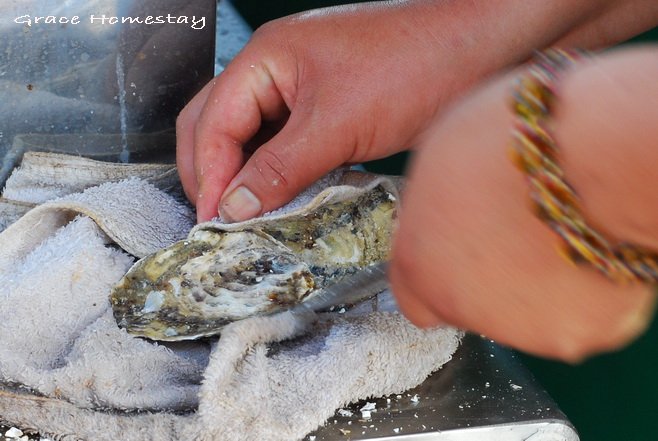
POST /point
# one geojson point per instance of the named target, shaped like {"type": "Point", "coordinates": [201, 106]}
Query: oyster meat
{"type": "Point", "coordinates": [227, 272]}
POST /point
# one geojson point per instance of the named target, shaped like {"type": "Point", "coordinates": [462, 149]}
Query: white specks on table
{"type": "Point", "coordinates": [367, 409]}
{"type": "Point", "coordinates": [345, 412]}
{"type": "Point", "coordinates": [13, 433]}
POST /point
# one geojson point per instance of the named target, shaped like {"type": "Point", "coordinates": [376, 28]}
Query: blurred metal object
{"type": "Point", "coordinates": [350, 290]}
{"type": "Point", "coordinates": [116, 70]}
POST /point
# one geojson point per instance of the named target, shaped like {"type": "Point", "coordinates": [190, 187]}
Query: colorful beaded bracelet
{"type": "Point", "coordinates": [555, 201]}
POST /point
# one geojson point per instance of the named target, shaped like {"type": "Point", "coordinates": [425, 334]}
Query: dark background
{"type": "Point", "coordinates": [612, 397]}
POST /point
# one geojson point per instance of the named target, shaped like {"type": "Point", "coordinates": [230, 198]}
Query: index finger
{"type": "Point", "coordinates": [185, 127]}
{"type": "Point", "coordinates": [244, 95]}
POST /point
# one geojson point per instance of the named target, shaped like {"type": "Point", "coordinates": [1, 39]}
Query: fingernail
{"type": "Point", "coordinates": [241, 204]}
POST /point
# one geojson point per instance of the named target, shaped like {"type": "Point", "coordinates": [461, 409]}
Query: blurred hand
{"type": "Point", "coordinates": [469, 250]}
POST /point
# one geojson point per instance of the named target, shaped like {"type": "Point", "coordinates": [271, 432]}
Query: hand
{"type": "Point", "coordinates": [359, 82]}
{"type": "Point", "coordinates": [471, 253]}
{"type": "Point", "coordinates": [338, 88]}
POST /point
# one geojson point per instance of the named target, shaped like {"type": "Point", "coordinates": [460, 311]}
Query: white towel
{"type": "Point", "coordinates": [67, 370]}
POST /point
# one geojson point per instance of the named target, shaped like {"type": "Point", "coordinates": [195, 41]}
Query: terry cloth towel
{"type": "Point", "coordinates": [46, 176]}
{"type": "Point", "coordinates": [68, 371]}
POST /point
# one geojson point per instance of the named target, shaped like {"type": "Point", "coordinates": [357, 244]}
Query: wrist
{"type": "Point", "coordinates": [612, 23]}
{"type": "Point", "coordinates": [605, 126]}
{"type": "Point", "coordinates": [458, 36]}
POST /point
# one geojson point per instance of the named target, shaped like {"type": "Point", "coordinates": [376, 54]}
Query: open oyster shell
{"type": "Point", "coordinates": [226, 272]}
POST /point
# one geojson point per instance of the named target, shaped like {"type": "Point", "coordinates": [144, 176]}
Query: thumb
{"type": "Point", "coordinates": [280, 169]}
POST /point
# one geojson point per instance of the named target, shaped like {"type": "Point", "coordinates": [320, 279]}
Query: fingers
{"type": "Point", "coordinates": [228, 114]}
{"type": "Point", "coordinates": [297, 76]}
{"type": "Point", "coordinates": [219, 127]}
{"type": "Point", "coordinates": [300, 154]}
{"type": "Point", "coordinates": [185, 128]}
{"type": "Point", "coordinates": [470, 252]}
{"type": "Point", "coordinates": [419, 312]}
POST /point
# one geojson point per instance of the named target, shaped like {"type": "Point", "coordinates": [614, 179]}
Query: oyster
{"type": "Point", "coordinates": [226, 272]}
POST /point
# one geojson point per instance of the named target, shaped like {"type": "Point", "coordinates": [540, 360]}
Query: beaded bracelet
{"type": "Point", "coordinates": [555, 201]}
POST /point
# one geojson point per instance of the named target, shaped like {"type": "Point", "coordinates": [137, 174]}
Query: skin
{"type": "Point", "coordinates": [470, 252]}
{"type": "Point", "coordinates": [360, 82]}
{"type": "Point", "coordinates": [342, 85]}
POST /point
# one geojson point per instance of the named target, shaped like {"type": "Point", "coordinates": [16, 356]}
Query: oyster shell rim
{"type": "Point", "coordinates": [351, 184]}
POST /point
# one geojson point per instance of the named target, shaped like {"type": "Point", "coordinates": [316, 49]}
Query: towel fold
{"type": "Point", "coordinates": [67, 370]}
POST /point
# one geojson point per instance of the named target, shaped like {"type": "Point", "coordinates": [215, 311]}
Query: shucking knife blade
{"type": "Point", "coordinates": [348, 291]}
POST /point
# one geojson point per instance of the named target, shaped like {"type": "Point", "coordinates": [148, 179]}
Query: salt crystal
{"type": "Point", "coordinates": [345, 412]}
{"type": "Point", "coordinates": [396, 430]}
{"type": "Point", "coordinates": [311, 438]}
{"type": "Point", "coordinates": [14, 433]}
{"type": "Point", "coordinates": [367, 409]}
{"type": "Point", "coordinates": [415, 399]}
{"type": "Point", "coordinates": [515, 387]}
{"type": "Point", "coordinates": [369, 406]}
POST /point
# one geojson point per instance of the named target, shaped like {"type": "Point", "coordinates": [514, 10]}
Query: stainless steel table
{"type": "Point", "coordinates": [484, 393]}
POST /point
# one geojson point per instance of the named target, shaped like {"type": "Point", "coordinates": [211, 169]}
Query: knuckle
{"type": "Point", "coordinates": [574, 346]}
{"type": "Point", "coordinates": [271, 168]}
{"type": "Point", "coordinates": [426, 283]}
{"type": "Point", "coordinates": [264, 29]}
{"type": "Point", "coordinates": [181, 120]}
{"type": "Point", "coordinates": [569, 350]}
{"type": "Point", "coordinates": [268, 29]}
{"type": "Point", "coordinates": [184, 120]}
{"type": "Point", "coordinates": [610, 331]}
{"type": "Point", "coordinates": [403, 260]}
